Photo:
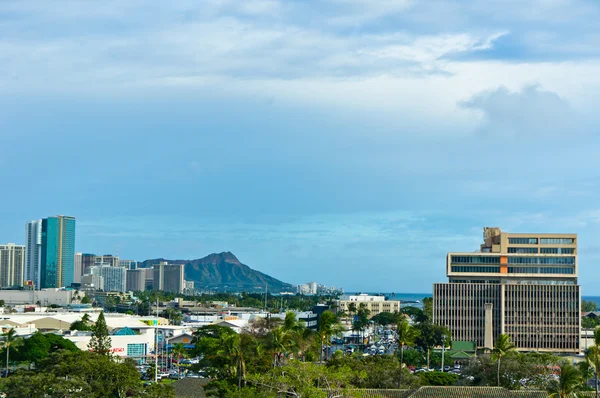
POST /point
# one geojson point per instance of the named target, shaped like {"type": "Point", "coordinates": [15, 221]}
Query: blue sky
{"type": "Point", "coordinates": [350, 142]}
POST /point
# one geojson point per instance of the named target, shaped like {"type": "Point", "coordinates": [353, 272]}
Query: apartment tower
{"type": "Point", "coordinates": [12, 265]}
{"type": "Point", "coordinates": [33, 251]}
{"type": "Point", "coordinates": [523, 285]}
{"type": "Point", "coordinates": [57, 267]}
{"type": "Point", "coordinates": [168, 277]}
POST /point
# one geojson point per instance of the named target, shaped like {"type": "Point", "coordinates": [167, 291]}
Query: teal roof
{"type": "Point", "coordinates": [463, 346]}
{"type": "Point", "coordinates": [125, 332]}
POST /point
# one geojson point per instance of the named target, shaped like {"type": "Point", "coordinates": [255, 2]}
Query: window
{"type": "Point", "coordinates": [136, 349]}
{"type": "Point", "coordinates": [557, 250]}
{"type": "Point", "coordinates": [542, 260]}
{"type": "Point", "coordinates": [475, 260]}
{"type": "Point", "coordinates": [527, 250]}
{"type": "Point", "coordinates": [461, 268]}
{"type": "Point", "coordinates": [557, 241]}
{"type": "Point", "coordinates": [522, 241]}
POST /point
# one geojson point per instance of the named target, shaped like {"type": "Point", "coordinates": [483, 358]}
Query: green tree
{"type": "Point", "coordinates": [569, 382]}
{"type": "Point", "coordinates": [593, 355]}
{"type": "Point", "coordinates": [407, 335]}
{"type": "Point", "coordinates": [179, 351]}
{"type": "Point", "coordinates": [386, 318]}
{"type": "Point", "coordinates": [86, 300]}
{"type": "Point", "coordinates": [10, 340]}
{"type": "Point", "coordinates": [329, 326]}
{"type": "Point", "coordinates": [82, 324]}
{"type": "Point", "coordinates": [100, 341]}
{"type": "Point", "coordinates": [430, 335]}
{"type": "Point", "coordinates": [428, 308]}
{"type": "Point", "coordinates": [588, 306]}
{"type": "Point", "coordinates": [39, 385]}
{"type": "Point", "coordinates": [438, 378]}
{"type": "Point", "coordinates": [503, 346]}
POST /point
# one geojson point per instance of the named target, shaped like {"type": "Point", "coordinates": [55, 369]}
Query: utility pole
{"type": "Point", "coordinates": [156, 345]}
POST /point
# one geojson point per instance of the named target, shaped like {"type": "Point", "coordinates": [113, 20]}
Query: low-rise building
{"type": "Point", "coordinates": [375, 304]}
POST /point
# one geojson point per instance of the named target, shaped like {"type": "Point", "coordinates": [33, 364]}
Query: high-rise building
{"type": "Point", "coordinates": [92, 282]}
{"type": "Point", "coordinates": [12, 265]}
{"type": "Point", "coordinates": [58, 252]}
{"type": "Point", "coordinates": [136, 280]}
{"type": "Point", "coordinates": [168, 277]}
{"type": "Point", "coordinates": [87, 260]}
{"type": "Point", "coordinates": [33, 254]}
{"type": "Point", "coordinates": [107, 259]}
{"type": "Point", "coordinates": [523, 285]}
{"type": "Point", "coordinates": [78, 268]}
{"type": "Point", "coordinates": [115, 278]}
{"type": "Point", "coordinates": [129, 264]}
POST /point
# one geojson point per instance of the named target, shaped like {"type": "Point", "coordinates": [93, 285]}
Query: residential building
{"type": "Point", "coordinates": [115, 278]}
{"type": "Point", "coordinates": [12, 265]}
{"type": "Point", "coordinates": [149, 278]}
{"type": "Point", "coordinates": [375, 304]}
{"type": "Point", "coordinates": [523, 285]}
{"type": "Point", "coordinates": [33, 252]}
{"type": "Point", "coordinates": [168, 277]}
{"type": "Point", "coordinates": [309, 288]}
{"type": "Point", "coordinates": [78, 268]}
{"type": "Point", "coordinates": [136, 280]}
{"type": "Point", "coordinates": [58, 252]}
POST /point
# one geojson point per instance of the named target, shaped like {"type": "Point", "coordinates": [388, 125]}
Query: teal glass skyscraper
{"type": "Point", "coordinates": [58, 252]}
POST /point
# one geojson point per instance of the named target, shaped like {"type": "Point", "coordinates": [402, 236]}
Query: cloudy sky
{"type": "Point", "coordinates": [350, 142]}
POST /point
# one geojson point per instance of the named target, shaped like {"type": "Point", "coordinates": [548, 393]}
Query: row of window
{"type": "Point", "coordinates": [527, 250]}
{"type": "Point", "coordinates": [557, 250]}
{"type": "Point", "coordinates": [543, 241]}
{"type": "Point", "coordinates": [541, 260]}
{"type": "Point", "coordinates": [466, 268]}
{"type": "Point", "coordinates": [511, 260]}
{"type": "Point", "coordinates": [475, 260]}
{"type": "Point", "coordinates": [541, 270]}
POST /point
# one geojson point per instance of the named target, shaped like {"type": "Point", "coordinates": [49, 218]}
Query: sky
{"type": "Point", "coordinates": [349, 142]}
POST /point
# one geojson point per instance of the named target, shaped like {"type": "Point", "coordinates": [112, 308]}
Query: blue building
{"type": "Point", "coordinates": [57, 266]}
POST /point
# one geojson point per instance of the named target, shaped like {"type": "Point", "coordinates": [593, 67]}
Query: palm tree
{"type": "Point", "coordinates": [10, 340]}
{"type": "Point", "coordinates": [281, 342]}
{"type": "Point", "coordinates": [569, 382]}
{"type": "Point", "coordinates": [503, 346]}
{"type": "Point", "coordinates": [329, 325]}
{"type": "Point", "coordinates": [593, 355]}
{"type": "Point", "coordinates": [407, 335]}
{"type": "Point", "coordinates": [178, 351]}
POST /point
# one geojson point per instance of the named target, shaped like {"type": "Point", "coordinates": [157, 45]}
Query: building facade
{"type": "Point", "coordinates": [107, 259]}
{"type": "Point", "coordinates": [115, 278]}
{"type": "Point", "coordinates": [33, 251]}
{"type": "Point", "coordinates": [92, 282]}
{"type": "Point", "coordinates": [136, 280]}
{"type": "Point", "coordinates": [12, 265]}
{"type": "Point", "coordinates": [375, 304]}
{"type": "Point", "coordinates": [528, 282]}
{"type": "Point", "coordinates": [129, 264]}
{"type": "Point", "coordinates": [168, 277]}
{"type": "Point", "coordinates": [57, 266]}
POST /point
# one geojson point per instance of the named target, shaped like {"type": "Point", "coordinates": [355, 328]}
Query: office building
{"type": "Point", "coordinates": [33, 251]}
{"type": "Point", "coordinates": [114, 278]}
{"type": "Point", "coordinates": [375, 304]}
{"type": "Point", "coordinates": [107, 259]}
{"type": "Point", "coordinates": [87, 260]}
{"type": "Point", "coordinates": [129, 264]}
{"type": "Point", "coordinates": [92, 282]}
{"type": "Point", "coordinates": [168, 277]}
{"type": "Point", "coordinates": [12, 265]}
{"type": "Point", "coordinates": [523, 285]}
{"type": "Point", "coordinates": [136, 280]}
{"type": "Point", "coordinates": [58, 252]}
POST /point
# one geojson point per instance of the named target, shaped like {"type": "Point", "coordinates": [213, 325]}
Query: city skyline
{"type": "Point", "coordinates": [350, 143]}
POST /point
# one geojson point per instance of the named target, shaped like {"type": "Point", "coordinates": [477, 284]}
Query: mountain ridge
{"type": "Point", "coordinates": [224, 271]}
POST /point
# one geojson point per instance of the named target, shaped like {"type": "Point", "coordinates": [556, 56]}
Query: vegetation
{"type": "Point", "coordinates": [588, 306]}
{"type": "Point", "coordinates": [10, 340]}
{"type": "Point", "coordinates": [81, 374]}
{"type": "Point", "coordinates": [502, 347]}
{"type": "Point", "coordinates": [100, 341]}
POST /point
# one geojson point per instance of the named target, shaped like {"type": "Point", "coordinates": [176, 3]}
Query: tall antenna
{"type": "Point", "coordinates": [117, 251]}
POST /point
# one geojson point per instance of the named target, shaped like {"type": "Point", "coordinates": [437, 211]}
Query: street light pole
{"type": "Point", "coordinates": [443, 350]}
